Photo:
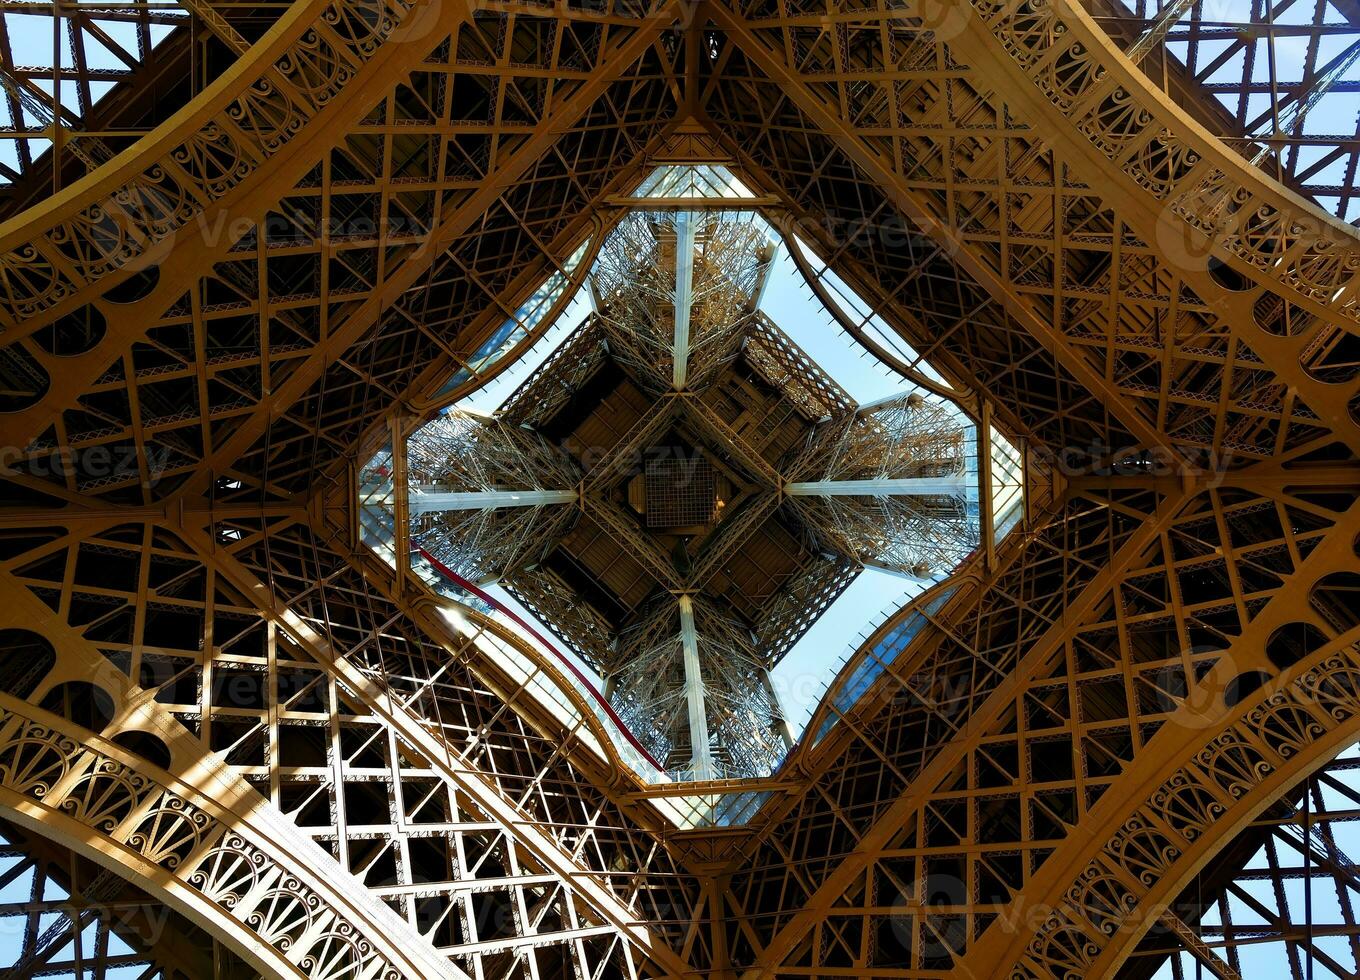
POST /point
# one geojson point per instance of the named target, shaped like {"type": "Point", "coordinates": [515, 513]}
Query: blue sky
{"type": "Point", "coordinates": [30, 39]}
{"type": "Point", "coordinates": [1333, 115]}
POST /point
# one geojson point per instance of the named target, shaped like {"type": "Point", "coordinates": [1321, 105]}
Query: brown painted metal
{"type": "Point", "coordinates": [1040, 220]}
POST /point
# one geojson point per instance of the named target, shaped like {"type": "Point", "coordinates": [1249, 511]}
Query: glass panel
{"type": "Point", "coordinates": [694, 180]}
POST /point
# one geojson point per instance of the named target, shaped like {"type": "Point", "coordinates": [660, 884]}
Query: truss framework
{"type": "Point", "coordinates": [484, 495]}
{"type": "Point", "coordinates": [1073, 238]}
{"type": "Point", "coordinates": [1301, 135]}
{"type": "Point", "coordinates": [696, 687]}
{"type": "Point", "coordinates": [675, 291]}
{"type": "Point", "coordinates": [890, 486]}
{"type": "Point", "coordinates": [675, 288]}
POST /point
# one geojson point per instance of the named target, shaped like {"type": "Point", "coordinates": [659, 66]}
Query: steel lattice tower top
{"type": "Point", "coordinates": [685, 480]}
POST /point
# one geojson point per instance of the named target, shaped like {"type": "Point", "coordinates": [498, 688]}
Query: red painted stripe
{"type": "Point", "coordinates": [464, 584]}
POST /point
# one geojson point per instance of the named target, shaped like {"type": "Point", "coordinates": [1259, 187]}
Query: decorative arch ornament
{"type": "Point", "coordinates": [1164, 838]}
{"type": "Point", "coordinates": [1213, 766]}
{"type": "Point", "coordinates": [212, 864]}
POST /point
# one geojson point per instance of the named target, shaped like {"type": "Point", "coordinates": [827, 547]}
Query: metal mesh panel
{"type": "Point", "coordinates": [680, 492]}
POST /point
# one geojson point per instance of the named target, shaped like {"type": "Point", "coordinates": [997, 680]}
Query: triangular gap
{"type": "Point", "coordinates": [549, 908]}
{"type": "Point", "coordinates": [376, 115]}
{"type": "Point", "coordinates": [407, 213]}
{"type": "Point", "coordinates": [467, 156]}
{"type": "Point", "coordinates": [524, 101]}
{"type": "Point", "coordinates": [576, 53]}
{"type": "Point", "coordinates": [474, 44]}
{"type": "Point", "coordinates": [118, 946]}
{"type": "Point", "coordinates": [17, 880]}
{"type": "Point", "coordinates": [488, 855]}
{"type": "Point", "coordinates": [421, 798]}
{"type": "Point", "coordinates": [346, 160]}
{"type": "Point", "coordinates": [818, 53]}
{"type": "Point", "coordinates": [64, 954]}
{"type": "Point", "coordinates": [409, 106]}
{"type": "Point", "coordinates": [999, 761]}
{"type": "Point", "coordinates": [1046, 707]}
{"type": "Point", "coordinates": [101, 33]}
{"type": "Point", "coordinates": [348, 703]}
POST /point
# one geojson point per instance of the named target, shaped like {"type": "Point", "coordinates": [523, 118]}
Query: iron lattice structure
{"type": "Point", "coordinates": [743, 718]}
{"type": "Point", "coordinates": [909, 439]}
{"type": "Point", "coordinates": [237, 275]}
{"type": "Point", "coordinates": [1282, 80]}
{"type": "Point", "coordinates": [457, 455]}
{"type": "Point", "coordinates": [628, 537]}
{"type": "Point", "coordinates": [713, 263]}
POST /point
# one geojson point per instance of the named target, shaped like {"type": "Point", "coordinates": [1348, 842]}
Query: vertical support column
{"type": "Point", "coordinates": [700, 753]}
{"type": "Point", "coordinates": [684, 296]}
{"type": "Point", "coordinates": [763, 271]}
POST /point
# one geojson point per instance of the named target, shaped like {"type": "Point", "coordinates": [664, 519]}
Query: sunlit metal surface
{"type": "Point", "coordinates": [238, 676]}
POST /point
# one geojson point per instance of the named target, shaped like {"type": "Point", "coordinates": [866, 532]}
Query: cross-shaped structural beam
{"type": "Point", "coordinates": [424, 503]}
{"type": "Point", "coordinates": [921, 486]}
{"type": "Point", "coordinates": [701, 758]}
{"type": "Point", "coordinates": [684, 296]}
